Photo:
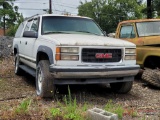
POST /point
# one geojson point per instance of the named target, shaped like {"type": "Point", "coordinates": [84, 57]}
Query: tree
{"type": "Point", "coordinates": [8, 14]}
{"type": "Point", "coordinates": [156, 4]}
{"type": "Point", "coordinates": [108, 13]}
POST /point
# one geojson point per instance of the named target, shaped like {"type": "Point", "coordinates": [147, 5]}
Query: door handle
{"type": "Point", "coordinates": [26, 42]}
{"type": "Point", "coordinates": [20, 42]}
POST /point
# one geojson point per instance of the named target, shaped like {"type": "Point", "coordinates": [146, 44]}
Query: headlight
{"type": "Point", "coordinates": [69, 50]}
{"type": "Point", "coordinates": [69, 57]}
{"type": "Point", "coordinates": [130, 57]}
{"type": "Point", "coordinates": [67, 53]}
{"type": "Point", "coordinates": [130, 51]}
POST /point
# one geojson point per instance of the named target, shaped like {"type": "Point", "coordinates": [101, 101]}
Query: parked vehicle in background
{"type": "Point", "coordinates": [146, 35]}
{"type": "Point", "coordinates": [59, 49]}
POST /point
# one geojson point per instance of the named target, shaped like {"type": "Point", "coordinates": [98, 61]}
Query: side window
{"type": "Point", "coordinates": [127, 32]}
{"type": "Point", "coordinates": [34, 26]}
{"type": "Point", "coordinates": [28, 25]}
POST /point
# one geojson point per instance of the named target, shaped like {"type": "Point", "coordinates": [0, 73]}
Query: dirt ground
{"type": "Point", "coordinates": [142, 98]}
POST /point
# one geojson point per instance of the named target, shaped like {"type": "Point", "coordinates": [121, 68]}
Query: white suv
{"type": "Point", "coordinates": [59, 49]}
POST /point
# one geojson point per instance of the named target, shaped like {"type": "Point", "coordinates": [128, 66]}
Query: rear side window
{"type": "Point", "coordinates": [34, 26]}
{"type": "Point", "coordinates": [127, 32]}
{"type": "Point", "coordinates": [19, 31]}
{"type": "Point", "coordinates": [28, 25]}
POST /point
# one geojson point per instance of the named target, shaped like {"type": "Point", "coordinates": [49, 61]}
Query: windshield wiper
{"type": "Point", "coordinates": [88, 32]}
{"type": "Point", "coordinates": [54, 32]}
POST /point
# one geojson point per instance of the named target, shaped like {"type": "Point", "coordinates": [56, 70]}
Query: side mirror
{"type": "Point", "coordinates": [31, 34]}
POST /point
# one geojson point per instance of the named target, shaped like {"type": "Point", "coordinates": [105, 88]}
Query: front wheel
{"type": "Point", "coordinates": [44, 81]}
{"type": "Point", "coordinates": [121, 87]}
{"type": "Point", "coordinates": [18, 70]}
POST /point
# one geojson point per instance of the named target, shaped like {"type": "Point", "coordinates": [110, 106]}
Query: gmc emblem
{"type": "Point", "coordinates": [103, 55]}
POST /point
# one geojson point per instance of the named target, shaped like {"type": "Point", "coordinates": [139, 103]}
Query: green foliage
{"type": "Point", "coordinates": [108, 13]}
{"type": "Point", "coordinates": [117, 109]}
{"type": "Point", "coordinates": [9, 15]}
{"type": "Point", "coordinates": [12, 30]}
{"type": "Point", "coordinates": [71, 109]}
{"type": "Point", "coordinates": [23, 107]}
{"type": "Point", "coordinates": [55, 112]}
{"type": "Point", "coordinates": [156, 4]}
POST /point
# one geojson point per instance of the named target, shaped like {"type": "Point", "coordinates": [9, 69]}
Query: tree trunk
{"type": "Point", "coordinates": [149, 9]}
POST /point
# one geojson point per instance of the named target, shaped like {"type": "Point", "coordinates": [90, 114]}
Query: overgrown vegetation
{"type": "Point", "coordinates": [119, 110]}
{"type": "Point", "coordinates": [23, 108]}
{"type": "Point", "coordinates": [67, 109]}
{"type": "Point", "coordinates": [70, 110]}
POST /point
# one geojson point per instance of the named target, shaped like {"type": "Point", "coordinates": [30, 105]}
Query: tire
{"type": "Point", "coordinates": [44, 80]}
{"type": "Point", "coordinates": [152, 77]}
{"type": "Point", "coordinates": [121, 87]}
{"type": "Point", "coordinates": [18, 70]}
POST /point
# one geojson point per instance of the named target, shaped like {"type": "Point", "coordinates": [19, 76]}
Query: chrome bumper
{"type": "Point", "coordinates": [93, 71]}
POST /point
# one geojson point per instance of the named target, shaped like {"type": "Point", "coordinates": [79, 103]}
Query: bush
{"type": "Point", "coordinates": [12, 30]}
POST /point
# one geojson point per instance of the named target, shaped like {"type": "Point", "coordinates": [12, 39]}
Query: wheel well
{"type": "Point", "coordinates": [152, 62]}
{"type": "Point", "coordinates": [15, 51]}
{"type": "Point", "coordinates": [41, 56]}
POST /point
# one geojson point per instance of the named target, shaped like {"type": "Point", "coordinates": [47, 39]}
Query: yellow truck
{"type": "Point", "coordinates": [146, 35]}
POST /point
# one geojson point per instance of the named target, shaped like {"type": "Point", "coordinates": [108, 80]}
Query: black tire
{"type": "Point", "coordinates": [18, 70]}
{"type": "Point", "coordinates": [152, 77]}
{"type": "Point", "coordinates": [121, 87]}
{"type": "Point", "coordinates": [44, 80]}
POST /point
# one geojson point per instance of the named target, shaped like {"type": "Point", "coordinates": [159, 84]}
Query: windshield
{"type": "Point", "coordinates": [70, 25]}
{"type": "Point", "coordinates": [148, 28]}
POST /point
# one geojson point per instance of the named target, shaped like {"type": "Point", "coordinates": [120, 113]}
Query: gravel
{"type": "Point", "coordinates": [143, 99]}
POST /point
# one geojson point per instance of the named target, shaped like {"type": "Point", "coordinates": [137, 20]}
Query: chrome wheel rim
{"type": "Point", "coordinates": [40, 80]}
{"type": "Point", "coordinates": [16, 65]}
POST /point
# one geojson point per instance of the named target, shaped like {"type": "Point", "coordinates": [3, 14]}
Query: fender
{"type": "Point", "coordinates": [46, 50]}
{"type": "Point", "coordinates": [16, 46]}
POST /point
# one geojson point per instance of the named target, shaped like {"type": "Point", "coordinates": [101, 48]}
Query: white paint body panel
{"type": "Point", "coordinates": [83, 40]}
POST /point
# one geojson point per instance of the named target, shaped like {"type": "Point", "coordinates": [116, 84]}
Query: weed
{"type": "Point", "coordinates": [55, 112]}
{"type": "Point", "coordinates": [85, 106]}
{"type": "Point", "coordinates": [23, 107]}
{"type": "Point", "coordinates": [117, 109]}
{"type": "Point", "coordinates": [131, 112]}
{"type": "Point", "coordinates": [71, 109]}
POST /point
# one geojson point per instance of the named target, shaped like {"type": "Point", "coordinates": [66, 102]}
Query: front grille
{"type": "Point", "coordinates": [89, 55]}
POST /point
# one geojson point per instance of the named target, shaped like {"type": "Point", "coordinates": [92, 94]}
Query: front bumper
{"type": "Point", "coordinates": [103, 74]}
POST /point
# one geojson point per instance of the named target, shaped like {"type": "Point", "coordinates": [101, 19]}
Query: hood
{"type": "Point", "coordinates": [86, 40]}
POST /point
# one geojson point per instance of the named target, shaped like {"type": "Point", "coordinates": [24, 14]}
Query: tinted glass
{"type": "Point", "coordinates": [127, 32]}
{"type": "Point", "coordinates": [28, 25]}
{"type": "Point", "coordinates": [34, 26]}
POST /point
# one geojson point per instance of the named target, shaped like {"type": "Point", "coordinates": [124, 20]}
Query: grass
{"type": "Point", "coordinates": [70, 110]}
{"type": "Point", "coordinates": [67, 109]}
{"type": "Point", "coordinates": [119, 110]}
{"type": "Point", "coordinates": [23, 108]}
{"type": "Point", "coordinates": [55, 112]}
